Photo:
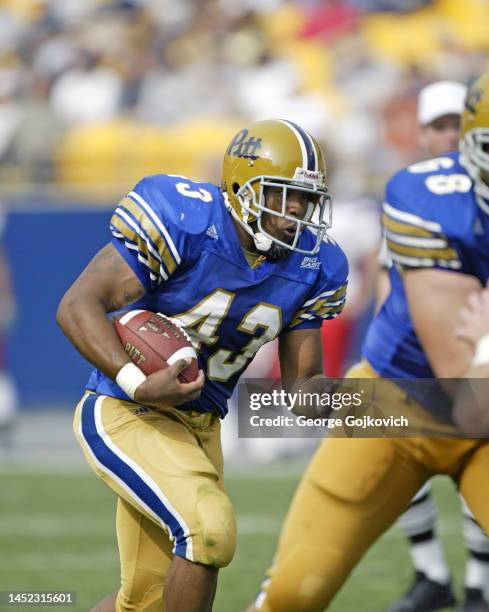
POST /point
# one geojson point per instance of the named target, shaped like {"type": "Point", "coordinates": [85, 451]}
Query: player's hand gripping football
{"type": "Point", "coordinates": [163, 389]}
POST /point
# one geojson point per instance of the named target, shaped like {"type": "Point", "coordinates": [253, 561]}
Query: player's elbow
{"type": "Point", "coordinates": [63, 313]}
{"type": "Point", "coordinates": [66, 312]}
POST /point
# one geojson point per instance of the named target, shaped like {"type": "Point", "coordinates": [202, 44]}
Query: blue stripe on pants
{"type": "Point", "coordinates": [109, 459]}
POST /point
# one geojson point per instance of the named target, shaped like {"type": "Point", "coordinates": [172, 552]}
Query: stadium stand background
{"type": "Point", "coordinates": [96, 94]}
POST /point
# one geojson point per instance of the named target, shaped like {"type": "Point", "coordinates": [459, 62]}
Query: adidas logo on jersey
{"type": "Point", "coordinates": [311, 262]}
{"type": "Point", "coordinates": [212, 232]}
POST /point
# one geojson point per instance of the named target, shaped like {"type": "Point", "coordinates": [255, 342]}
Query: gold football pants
{"type": "Point", "coordinates": [167, 470]}
{"type": "Point", "coordinates": [352, 491]}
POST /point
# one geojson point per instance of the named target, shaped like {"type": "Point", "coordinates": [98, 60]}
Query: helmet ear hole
{"type": "Point", "coordinates": [235, 188]}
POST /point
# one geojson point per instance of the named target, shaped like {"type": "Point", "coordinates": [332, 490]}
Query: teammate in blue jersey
{"type": "Point", "coordinates": [436, 218]}
{"type": "Point", "coordinates": [237, 267]}
{"type": "Point", "coordinates": [440, 108]}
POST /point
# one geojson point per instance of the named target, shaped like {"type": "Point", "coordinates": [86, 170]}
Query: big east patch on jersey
{"type": "Point", "coordinates": [154, 341]}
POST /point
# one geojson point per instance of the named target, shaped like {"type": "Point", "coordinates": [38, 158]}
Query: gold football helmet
{"type": "Point", "coordinates": [474, 145]}
{"type": "Point", "coordinates": [276, 153]}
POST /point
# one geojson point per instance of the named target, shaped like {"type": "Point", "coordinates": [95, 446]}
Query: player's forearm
{"type": "Point", "coordinates": [301, 366]}
{"type": "Point", "coordinates": [84, 321]}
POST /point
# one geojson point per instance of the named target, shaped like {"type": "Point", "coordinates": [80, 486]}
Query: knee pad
{"type": "Point", "coordinates": [216, 539]}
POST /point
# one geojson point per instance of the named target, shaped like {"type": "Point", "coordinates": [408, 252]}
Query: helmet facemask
{"type": "Point", "coordinates": [251, 196]}
{"type": "Point", "coordinates": [476, 160]}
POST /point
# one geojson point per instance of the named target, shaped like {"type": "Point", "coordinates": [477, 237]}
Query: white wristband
{"type": "Point", "coordinates": [129, 378]}
{"type": "Point", "coordinates": [481, 356]}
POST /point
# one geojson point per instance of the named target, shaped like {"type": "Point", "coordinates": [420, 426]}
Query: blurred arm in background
{"type": "Point", "coordinates": [471, 408]}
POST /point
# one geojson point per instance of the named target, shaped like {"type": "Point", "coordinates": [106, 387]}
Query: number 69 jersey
{"type": "Point", "coordinates": [181, 242]}
{"type": "Point", "coordinates": [432, 219]}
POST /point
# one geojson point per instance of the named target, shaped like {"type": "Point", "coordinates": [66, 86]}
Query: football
{"type": "Point", "coordinates": [154, 341]}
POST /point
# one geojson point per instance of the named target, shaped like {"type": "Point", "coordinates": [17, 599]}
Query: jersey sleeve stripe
{"type": "Point", "coordinates": [331, 310]}
{"type": "Point", "coordinates": [443, 253]}
{"type": "Point", "coordinates": [332, 316]}
{"type": "Point", "coordinates": [320, 304]}
{"type": "Point", "coordinates": [326, 294]}
{"type": "Point", "coordinates": [137, 239]}
{"type": "Point", "coordinates": [155, 271]}
{"type": "Point", "coordinates": [425, 262]}
{"type": "Point", "coordinates": [404, 228]}
{"type": "Point", "coordinates": [326, 307]}
{"type": "Point", "coordinates": [141, 258]}
{"type": "Point", "coordinates": [147, 224]}
{"type": "Point", "coordinates": [330, 296]}
{"type": "Point", "coordinates": [411, 219]}
{"type": "Point", "coordinates": [141, 232]}
{"type": "Point", "coordinates": [417, 241]}
{"type": "Point", "coordinates": [135, 196]}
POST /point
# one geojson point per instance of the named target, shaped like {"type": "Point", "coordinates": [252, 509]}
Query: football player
{"type": "Point", "coordinates": [439, 110]}
{"type": "Point", "coordinates": [436, 220]}
{"type": "Point", "coordinates": [233, 266]}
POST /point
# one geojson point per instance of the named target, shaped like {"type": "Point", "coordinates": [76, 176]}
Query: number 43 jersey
{"type": "Point", "coordinates": [432, 219]}
{"type": "Point", "coordinates": [181, 242]}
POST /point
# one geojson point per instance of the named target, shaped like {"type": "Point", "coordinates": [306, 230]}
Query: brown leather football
{"type": "Point", "coordinates": [154, 341]}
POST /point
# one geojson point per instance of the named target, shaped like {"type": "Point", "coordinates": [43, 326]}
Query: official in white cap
{"type": "Point", "coordinates": [440, 106]}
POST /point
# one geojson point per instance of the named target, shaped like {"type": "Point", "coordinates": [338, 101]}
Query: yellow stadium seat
{"type": "Point", "coordinates": [404, 39]}
{"type": "Point", "coordinates": [467, 21]}
{"type": "Point", "coordinates": [113, 156]}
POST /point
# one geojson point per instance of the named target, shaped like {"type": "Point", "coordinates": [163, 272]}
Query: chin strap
{"type": "Point", "coordinates": [262, 243]}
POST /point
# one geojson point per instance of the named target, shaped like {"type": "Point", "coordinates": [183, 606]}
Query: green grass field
{"type": "Point", "coordinates": [57, 533]}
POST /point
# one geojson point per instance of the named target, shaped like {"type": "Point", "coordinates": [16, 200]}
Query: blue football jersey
{"type": "Point", "coordinates": [431, 219]}
{"type": "Point", "coordinates": [181, 242]}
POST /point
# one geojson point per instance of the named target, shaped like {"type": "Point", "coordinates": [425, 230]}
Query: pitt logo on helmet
{"type": "Point", "coordinates": [244, 148]}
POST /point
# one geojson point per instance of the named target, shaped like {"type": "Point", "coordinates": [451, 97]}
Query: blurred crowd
{"type": "Point", "coordinates": [95, 94]}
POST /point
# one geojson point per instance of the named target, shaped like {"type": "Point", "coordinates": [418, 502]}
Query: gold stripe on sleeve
{"type": "Point", "coordinates": [405, 228]}
{"type": "Point", "coordinates": [331, 310]}
{"type": "Point", "coordinates": [131, 235]}
{"type": "Point", "coordinates": [446, 253]}
{"type": "Point", "coordinates": [149, 227]}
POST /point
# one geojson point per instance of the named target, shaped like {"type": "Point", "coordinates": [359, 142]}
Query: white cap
{"type": "Point", "coordinates": [439, 99]}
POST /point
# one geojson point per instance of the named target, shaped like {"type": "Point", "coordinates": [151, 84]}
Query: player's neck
{"type": "Point", "coordinates": [245, 239]}
{"type": "Point", "coordinates": [251, 253]}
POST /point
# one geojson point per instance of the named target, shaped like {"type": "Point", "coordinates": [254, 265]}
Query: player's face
{"type": "Point", "coordinates": [441, 135]}
{"type": "Point", "coordinates": [297, 206]}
